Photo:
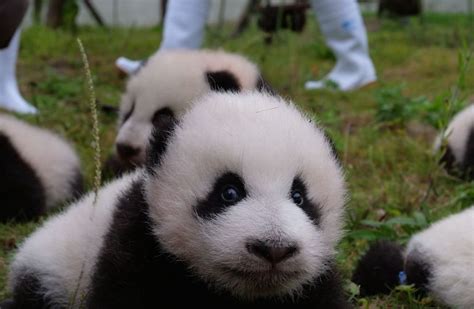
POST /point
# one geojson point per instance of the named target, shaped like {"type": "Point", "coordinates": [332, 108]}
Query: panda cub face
{"type": "Point", "coordinates": [255, 207]}
{"type": "Point", "coordinates": [165, 87]}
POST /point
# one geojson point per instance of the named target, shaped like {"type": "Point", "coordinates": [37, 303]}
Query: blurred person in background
{"type": "Point", "coordinates": [340, 21]}
{"type": "Point", "coordinates": [11, 16]}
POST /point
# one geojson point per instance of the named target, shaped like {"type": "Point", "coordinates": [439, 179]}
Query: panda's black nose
{"type": "Point", "coordinates": [127, 152]}
{"type": "Point", "coordinates": [271, 253]}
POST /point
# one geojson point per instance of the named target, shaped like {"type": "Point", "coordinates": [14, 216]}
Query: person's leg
{"type": "Point", "coordinates": [11, 15]}
{"type": "Point", "coordinates": [10, 97]}
{"type": "Point", "coordinates": [184, 24]}
{"type": "Point", "coordinates": [343, 28]}
{"type": "Point", "coordinates": [183, 29]}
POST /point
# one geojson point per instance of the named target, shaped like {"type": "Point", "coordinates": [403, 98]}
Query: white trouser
{"type": "Point", "coordinates": [10, 97]}
{"type": "Point", "coordinates": [184, 24]}
{"type": "Point", "coordinates": [343, 28]}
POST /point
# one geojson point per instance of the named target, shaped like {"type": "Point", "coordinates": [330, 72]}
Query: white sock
{"type": "Point", "coordinates": [10, 97]}
{"type": "Point", "coordinates": [344, 30]}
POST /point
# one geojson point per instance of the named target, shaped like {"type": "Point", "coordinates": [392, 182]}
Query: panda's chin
{"type": "Point", "coordinates": [273, 282]}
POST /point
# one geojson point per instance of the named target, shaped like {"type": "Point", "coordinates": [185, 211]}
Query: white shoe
{"type": "Point", "coordinates": [127, 66]}
{"type": "Point", "coordinates": [10, 97]}
{"type": "Point", "coordinates": [344, 31]}
{"type": "Point", "coordinates": [330, 84]}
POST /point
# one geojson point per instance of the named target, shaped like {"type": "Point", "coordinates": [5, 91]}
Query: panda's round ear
{"type": "Point", "coordinates": [160, 137]}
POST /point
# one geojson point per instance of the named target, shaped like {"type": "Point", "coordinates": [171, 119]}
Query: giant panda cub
{"type": "Point", "coordinates": [241, 202]}
{"type": "Point", "coordinates": [165, 87]}
{"type": "Point", "coordinates": [459, 155]}
{"type": "Point", "coordinates": [39, 170]}
{"type": "Point", "coordinates": [439, 260]}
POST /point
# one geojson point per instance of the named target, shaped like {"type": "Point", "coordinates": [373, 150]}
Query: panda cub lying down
{"type": "Point", "coordinates": [240, 202]}
{"type": "Point", "coordinates": [39, 170]}
{"type": "Point", "coordinates": [458, 158]}
{"type": "Point", "coordinates": [438, 260]}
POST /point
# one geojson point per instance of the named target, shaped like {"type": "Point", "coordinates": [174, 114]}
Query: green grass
{"type": "Point", "coordinates": [383, 132]}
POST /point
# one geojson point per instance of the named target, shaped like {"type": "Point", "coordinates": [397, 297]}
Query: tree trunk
{"type": "Point", "coordinates": [37, 8]}
{"type": "Point", "coordinates": [55, 13]}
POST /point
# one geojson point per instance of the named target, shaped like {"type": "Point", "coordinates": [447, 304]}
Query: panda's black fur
{"type": "Point", "coordinates": [222, 81]}
{"type": "Point", "coordinates": [21, 192]}
{"type": "Point", "coordinates": [377, 271]}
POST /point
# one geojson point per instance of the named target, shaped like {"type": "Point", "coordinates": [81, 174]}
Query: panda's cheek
{"type": "Point", "coordinates": [223, 241]}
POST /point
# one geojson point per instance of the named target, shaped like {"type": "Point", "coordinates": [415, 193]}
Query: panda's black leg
{"type": "Point", "coordinates": [21, 192]}
{"type": "Point", "coordinates": [27, 293]}
{"type": "Point", "coordinates": [7, 304]}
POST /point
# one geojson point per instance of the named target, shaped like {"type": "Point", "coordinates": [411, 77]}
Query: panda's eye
{"type": "Point", "coordinates": [297, 197]}
{"type": "Point", "coordinates": [228, 190]}
{"type": "Point", "coordinates": [230, 194]}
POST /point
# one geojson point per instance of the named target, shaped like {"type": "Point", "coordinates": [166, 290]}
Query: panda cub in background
{"type": "Point", "coordinates": [439, 260]}
{"type": "Point", "coordinates": [241, 202]}
{"type": "Point", "coordinates": [459, 155]}
{"type": "Point", "coordinates": [39, 170]}
{"type": "Point", "coordinates": [165, 87]}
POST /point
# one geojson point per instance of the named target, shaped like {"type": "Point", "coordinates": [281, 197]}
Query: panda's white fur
{"type": "Point", "coordinates": [265, 140]}
{"type": "Point", "coordinates": [447, 247]}
{"type": "Point", "coordinates": [457, 134]}
{"type": "Point", "coordinates": [68, 244]}
{"type": "Point", "coordinates": [50, 156]}
{"type": "Point", "coordinates": [173, 79]}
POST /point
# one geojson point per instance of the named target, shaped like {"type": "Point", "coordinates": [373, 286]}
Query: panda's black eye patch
{"type": "Point", "coordinates": [129, 113]}
{"type": "Point", "coordinates": [228, 190]}
{"type": "Point", "coordinates": [162, 118]}
{"type": "Point", "coordinates": [299, 196]}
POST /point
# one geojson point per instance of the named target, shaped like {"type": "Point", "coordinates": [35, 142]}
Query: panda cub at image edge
{"type": "Point", "coordinates": [459, 155]}
{"type": "Point", "coordinates": [241, 202]}
{"type": "Point", "coordinates": [40, 170]}
{"type": "Point", "coordinates": [438, 260]}
{"type": "Point", "coordinates": [166, 86]}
